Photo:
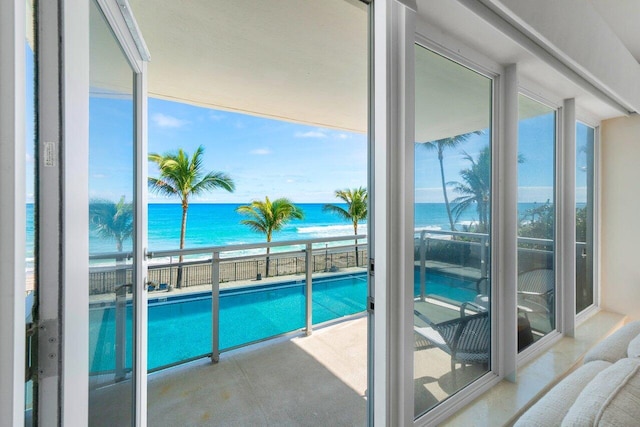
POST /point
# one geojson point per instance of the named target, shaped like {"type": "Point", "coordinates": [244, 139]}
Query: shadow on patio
{"type": "Point", "coordinates": [304, 381]}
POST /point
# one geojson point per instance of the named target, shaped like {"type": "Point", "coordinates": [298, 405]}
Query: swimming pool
{"type": "Point", "coordinates": [179, 328]}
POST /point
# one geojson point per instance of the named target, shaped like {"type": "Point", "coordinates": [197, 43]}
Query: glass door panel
{"type": "Point", "coordinates": [585, 136]}
{"type": "Point", "coordinates": [536, 220]}
{"type": "Point", "coordinates": [452, 283]}
{"type": "Point", "coordinates": [111, 282]}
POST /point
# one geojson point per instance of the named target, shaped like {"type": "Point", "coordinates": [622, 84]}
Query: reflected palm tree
{"type": "Point", "coordinates": [112, 220]}
{"type": "Point", "coordinates": [475, 188]}
{"type": "Point", "coordinates": [440, 145]}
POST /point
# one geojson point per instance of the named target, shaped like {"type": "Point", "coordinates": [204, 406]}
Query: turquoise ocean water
{"type": "Point", "coordinates": [219, 224]}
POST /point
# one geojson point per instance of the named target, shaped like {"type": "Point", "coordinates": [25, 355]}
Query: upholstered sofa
{"type": "Point", "coordinates": [604, 391]}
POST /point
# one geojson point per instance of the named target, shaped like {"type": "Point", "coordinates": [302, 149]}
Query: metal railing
{"type": "Point", "coordinates": [313, 255]}
{"type": "Point", "coordinates": [477, 245]}
{"type": "Point", "coordinates": [104, 280]}
{"type": "Point", "coordinates": [216, 261]}
{"type": "Point", "coordinates": [473, 250]}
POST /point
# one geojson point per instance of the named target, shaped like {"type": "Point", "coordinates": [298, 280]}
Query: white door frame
{"type": "Point", "coordinates": [12, 211]}
{"type": "Point", "coordinates": [121, 20]}
{"type": "Point", "coordinates": [63, 153]}
{"type": "Point", "coordinates": [393, 104]}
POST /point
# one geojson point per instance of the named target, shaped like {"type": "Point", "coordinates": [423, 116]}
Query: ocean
{"type": "Point", "coordinates": [219, 224]}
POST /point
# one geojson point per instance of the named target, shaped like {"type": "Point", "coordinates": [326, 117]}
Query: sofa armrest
{"type": "Point", "coordinates": [614, 347]}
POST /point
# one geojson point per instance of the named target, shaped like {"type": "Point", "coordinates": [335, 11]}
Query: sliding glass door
{"type": "Point", "coordinates": [536, 284]}
{"type": "Point", "coordinates": [452, 234]}
{"type": "Point", "coordinates": [117, 300]}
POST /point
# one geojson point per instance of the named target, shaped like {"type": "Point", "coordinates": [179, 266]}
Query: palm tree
{"type": "Point", "coordinates": [183, 177]}
{"type": "Point", "coordinates": [111, 220]}
{"type": "Point", "coordinates": [267, 216]}
{"type": "Point", "coordinates": [440, 145]}
{"type": "Point", "coordinates": [475, 188]}
{"type": "Point", "coordinates": [356, 200]}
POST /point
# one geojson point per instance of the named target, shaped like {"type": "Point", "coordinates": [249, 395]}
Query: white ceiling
{"type": "Point", "coordinates": [477, 35]}
{"type": "Point", "coordinates": [623, 17]}
{"type": "Point", "coordinates": [260, 58]}
{"type": "Point", "coordinates": [310, 66]}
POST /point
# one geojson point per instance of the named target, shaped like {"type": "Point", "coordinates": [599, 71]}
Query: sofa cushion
{"type": "Point", "coordinates": [612, 398]}
{"type": "Point", "coordinates": [634, 347]}
{"type": "Point", "coordinates": [554, 405]}
{"type": "Point", "coordinates": [614, 347]}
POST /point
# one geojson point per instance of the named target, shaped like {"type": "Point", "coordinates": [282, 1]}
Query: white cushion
{"type": "Point", "coordinates": [554, 405]}
{"type": "Point", "coordinates": [634, 347]}
{"type": "Point", "coordinates": [612, 398]}
{"type": "Point", "coordinates": [614, 347]}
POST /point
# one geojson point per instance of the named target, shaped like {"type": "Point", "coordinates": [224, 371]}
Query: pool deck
{"type": "Point", "coordinates": [316, 380]}
{"type": "Point", "coordinates": [301, 381]}
{"type": "Point", "coordinates": [298, 380]}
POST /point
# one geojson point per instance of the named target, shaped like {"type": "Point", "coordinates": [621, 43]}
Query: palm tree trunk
{"type": "Point", "coordinates": [267, 272]}
{"type": "Point", "coordinates": [355, 233]}
{"type": "Point", "coordinates": [183, 230]}
{"type": "Point", "coordinates": [444, 192]}
{"type": "Point", "coordinates": [121, 272]}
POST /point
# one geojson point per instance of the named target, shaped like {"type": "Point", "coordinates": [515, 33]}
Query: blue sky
{"type": "Point", "coordinates": [279, 159]}
{"type": "Point", "coordinates": [265, 157]}
{"type": "Point", "coordinates": [273, 158]}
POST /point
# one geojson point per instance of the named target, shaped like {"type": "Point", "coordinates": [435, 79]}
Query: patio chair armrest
{"type": "Point", "coordinates": [473, 306]}
{"type": "Point", "coordinates": [422, 317]}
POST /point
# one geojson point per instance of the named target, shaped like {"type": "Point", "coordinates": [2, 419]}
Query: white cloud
{"type": "Point", "coordinates": [216, 117]}
{"type": "Point", "coordinates": [342, 136]}
{"type": "Point", "coordinates": [165, 121]}
{"type": "Point", "coordinates": [260, 152]}
{"type": "Point", "coordinates": [311, 134]}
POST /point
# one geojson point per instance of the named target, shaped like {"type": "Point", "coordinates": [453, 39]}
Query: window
{"type": "Point", "coordinates": [536, 220]}
{"type": "Point", "coordinates": [584, 215]}
{"type": "Point", "coordinates": [452, 228]}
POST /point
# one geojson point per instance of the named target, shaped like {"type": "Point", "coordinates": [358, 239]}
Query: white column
{"type": "Point", "coordinates": [12, 212]}
{"type": "Point", "coordinates": [505, 243]}
{"type": "Point", "coordinates": [391, 166]}
{"type": "Point", "coordinates": [566, 220]}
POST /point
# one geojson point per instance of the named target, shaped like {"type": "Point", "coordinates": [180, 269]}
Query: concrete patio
{"type": "Point", "coordinates": [289, 381]}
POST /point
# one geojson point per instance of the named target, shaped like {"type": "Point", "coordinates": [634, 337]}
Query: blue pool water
{"type": "Point", "coordinates": [180, 327]}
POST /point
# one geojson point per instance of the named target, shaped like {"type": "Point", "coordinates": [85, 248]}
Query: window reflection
{"type": "Point", "coordinates": [584, 216]}
{"type": "Point", "coordinates": [452, 228]}
{"type": "Point", "coordinates": [536, 221]}
{"type": "Point", "coordinates": [111, 225]}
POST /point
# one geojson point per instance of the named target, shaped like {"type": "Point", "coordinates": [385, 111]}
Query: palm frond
{"type": "Point", "coordinates": [356, 201]}
{"type": "Point", "coordinates": [267, 216]}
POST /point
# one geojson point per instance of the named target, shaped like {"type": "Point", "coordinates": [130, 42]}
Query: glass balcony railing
{"type": "Point", "coordinates": [226, 297]}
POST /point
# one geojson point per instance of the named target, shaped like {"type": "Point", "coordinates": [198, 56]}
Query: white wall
{"type": "Point", "coordinates": [620, 204]}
